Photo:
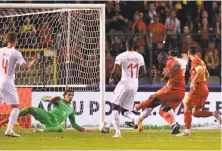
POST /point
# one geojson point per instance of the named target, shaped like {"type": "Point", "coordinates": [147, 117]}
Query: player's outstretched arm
{"type": "Point", "coordinates": [173, 70]}
{"type": "Point", "coordinates": [54, 100]}
{"type": "Point", "coordinates": [75, 125]}
{"type": "Point", "coordinates": [29, 64]}
{"type": "Point", "coordinates": [113, 73]}
{"type": "Point", "coordinates": [142, 71]}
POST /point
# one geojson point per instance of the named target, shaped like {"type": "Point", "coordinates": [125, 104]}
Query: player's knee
{"type": "Point", "coordinates": [115, 107]}
{"type": "Point", "coordinates": [31, 110]}
{"type": "Point", "coordinates": [164, 108]}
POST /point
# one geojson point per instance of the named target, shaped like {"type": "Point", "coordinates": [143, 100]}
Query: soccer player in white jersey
{"type": "Point", "coordinates": [9, 58]}
{"type": "Point", "coordinates": [131, 63]}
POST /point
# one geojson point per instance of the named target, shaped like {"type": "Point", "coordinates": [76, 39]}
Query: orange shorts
{"type": "Point", "coordinates": [170, 97]}
{"type": "Point", "coordinates": [197, 98]}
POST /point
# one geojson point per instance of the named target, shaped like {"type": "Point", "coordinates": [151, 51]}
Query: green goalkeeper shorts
{"type": "Point", "coordinates": [46, 118]}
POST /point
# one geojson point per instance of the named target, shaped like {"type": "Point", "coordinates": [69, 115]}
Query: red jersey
{"type": "Point", "coordinates": [195, 65]}
{"type": "Point", "coordinates": [176, 80]}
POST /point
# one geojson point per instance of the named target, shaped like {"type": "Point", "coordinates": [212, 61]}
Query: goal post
{"type": "Point", "coordinates": [69, 37]}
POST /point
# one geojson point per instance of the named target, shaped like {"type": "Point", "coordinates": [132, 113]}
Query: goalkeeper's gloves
{"type": "Point", "coordinates": [82, 129]}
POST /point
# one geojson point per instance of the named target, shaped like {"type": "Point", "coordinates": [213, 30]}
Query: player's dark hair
{"type": "Point", "coordinates": [130, 42]}
{"type": "Point", "coordinates": [173, 53]}
{"type": "Point", "coordinates": [193, 50]}
{"type": "Point", "coordinates": [163, 56]}
{"type": "Point", "coordinates": [11, 37]}
{"type": "Point", "coordinates": [67, 91]}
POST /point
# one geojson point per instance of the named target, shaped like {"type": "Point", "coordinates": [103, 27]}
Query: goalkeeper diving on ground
{"type": "Point", "coordinates": [60, 111]}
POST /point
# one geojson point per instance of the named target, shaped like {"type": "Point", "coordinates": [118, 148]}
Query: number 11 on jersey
{"type": "Point", "coordinates": [132, 68]}
{"type": "Point", "coordinates": [5, 64]}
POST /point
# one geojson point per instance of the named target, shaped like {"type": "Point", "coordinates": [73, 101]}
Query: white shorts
{"type": "Point", "coordinates": [124, 94]}
{"type": "Point", "coordinates": [8, 92]}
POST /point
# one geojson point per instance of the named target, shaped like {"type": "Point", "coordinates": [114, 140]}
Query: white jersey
{"type": "Point", "coordinates": [183, 64]}
{"type": "Point", "coordinates": [9, 58]}
{"type": "Point", "coordinates": [131, 61]}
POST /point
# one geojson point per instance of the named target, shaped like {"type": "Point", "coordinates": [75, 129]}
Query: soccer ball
{"type": "Point", "coordinates": [104, 128]}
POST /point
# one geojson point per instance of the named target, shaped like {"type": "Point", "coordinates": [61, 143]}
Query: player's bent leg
{"type": "Point", "coordinates": [115, 116]}
{"type": "Point", "coordinates": [143, 104]}
{"type": "Point", "coordinates": [146, 112]}
{"type": "Point", "coordinates": [41, 115]}
{"type": "Point", "coordinates": [12, 119]}
{"type": "Point", "coordinates": [28, 110]}
{"type": "Point", "coordinates": [131, 116]}
{"type": "Point", "coordinates": [169, 118]}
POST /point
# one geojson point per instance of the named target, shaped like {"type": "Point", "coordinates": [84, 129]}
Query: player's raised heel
{"type": "Point", "coordinates": [183, 134]}
{"type": "Point", "coordinates": [117, 135]}
{"type": "Point", "coordinates": [131, 124]}
{"type": "Point", "coordinates": [140, 126]}
{"type": "Point", "coordinates": [217, 116]}
{"type": "Point", "coordinates": [11, 134]}
{"type": "Point", "coordinates": [175, 128]}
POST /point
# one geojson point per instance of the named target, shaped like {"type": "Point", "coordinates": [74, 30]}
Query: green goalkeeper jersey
{"type": "Point", "coordinates": [61, 111]}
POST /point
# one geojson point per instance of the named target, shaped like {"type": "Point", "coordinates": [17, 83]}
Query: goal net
{"type": "Point", "coordinates": [69, 39]}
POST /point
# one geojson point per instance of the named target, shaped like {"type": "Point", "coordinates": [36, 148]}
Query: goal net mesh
{"type": "Point", "coordinates": [68, 41]}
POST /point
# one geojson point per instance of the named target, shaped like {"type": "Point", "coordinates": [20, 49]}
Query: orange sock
{"type": "Point", "coordinates": [143, 104]}
{"type": "Point", "coordinates": [167, 117]}
{"type": "Point", "coordinates": [187, 119]}
{"type": "Point", "coordinates": [203, 113]}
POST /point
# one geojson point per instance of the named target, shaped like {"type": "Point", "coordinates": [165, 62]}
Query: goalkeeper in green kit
{"type": "Point", "coordinates": [58, 114]}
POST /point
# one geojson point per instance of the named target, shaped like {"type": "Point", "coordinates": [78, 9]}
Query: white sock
{"type": "Point", "coordinates": [172, 113]}
{"type": "Point", "coordinates": [12, 118]}
{"type": "Point", "coordinates": [131, 116]}
{"type": "Point", "coordinates": [187, 131]}
{"type": "Point", "coordinates": [115, 115]}
{"type": "Point", "coordinates": [146, 113]}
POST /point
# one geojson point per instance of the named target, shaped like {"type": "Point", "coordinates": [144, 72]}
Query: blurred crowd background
{"type": "Point", "coordinates": [155, 26]}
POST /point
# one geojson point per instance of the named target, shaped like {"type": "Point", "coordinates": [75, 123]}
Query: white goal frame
{"type": "Point", "coordinates": [68, 7]}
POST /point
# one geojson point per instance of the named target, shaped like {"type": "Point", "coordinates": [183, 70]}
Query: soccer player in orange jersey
{"type": "Point", "coordinates": [198, 94]}
{"type": "Point", "coordinates": [169, 97]}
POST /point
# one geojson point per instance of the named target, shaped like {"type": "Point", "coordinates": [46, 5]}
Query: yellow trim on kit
{"type": "Point", "coordinates": [54, 71]}
{"type": "Point", "coordinates": [198, 68]}
{"type": "Point", "coordinates": [33, 49]}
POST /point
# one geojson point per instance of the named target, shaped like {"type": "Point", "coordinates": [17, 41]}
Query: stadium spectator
{"type": "Point", "coordinates": [200, 10]}
{"type": "Point", "coordinates": [189, 22]}
{"type": "Point", "coordinates": [118, 22]}
{"type": "Point", "coordinates": [159, 48]}
{"type": "Point", "coordinates": [186, 31]}
{"type": "Point", "coordinates": [213, 15]}
{"type": "Point", "coordinates": [151, 12]}
{"type": "Point", "coordinates": [204, 30]}
{"type": "Point", "coordinates": [116, 47]}
{"type": "Point", "coordinates": [172, 25]}
{"type": "Point", "coordinates": [188, 41]}
{"type": "Point", "coordinates": [45, 34]}
{"type": "Point", "coordinates": [109, 14]}
{"type": "Point", "coordinates": [212, 60]}
{"type": "Point", "coordinates": [3, 32]}
{"type": "Point", "coordinates": [28, 32]}
{"type": "Point", "coordinates": [160, 9]}
{"type": "Point", "coordinates": [158, 31]}
{"type": "Point", "coordinates": [139, 27]}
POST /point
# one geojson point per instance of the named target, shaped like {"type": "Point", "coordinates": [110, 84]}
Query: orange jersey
{"type": "Point", "coordinates": [176, 80]}
{"type": "Point", "coordinates": [196, 64]}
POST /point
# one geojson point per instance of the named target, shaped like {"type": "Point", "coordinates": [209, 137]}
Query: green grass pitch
{"type": "Point", "coordinates": [131, 140]}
